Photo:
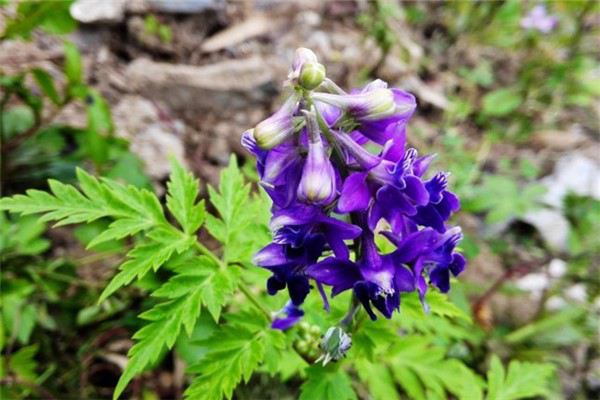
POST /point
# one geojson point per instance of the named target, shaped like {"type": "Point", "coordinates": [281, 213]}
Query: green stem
{"type": "Point", "coordinates": [204, 250]}
{"type": "Point", "coordinates": [353, 307]}
{"type": "Point", "coordinates": [246, 291]}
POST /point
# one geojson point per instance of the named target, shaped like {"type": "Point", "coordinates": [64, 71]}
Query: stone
{"type": "Point", "coordinates": [552, 226]}
{"type": "Point", "coordinates": [573, 173]}
{"type": "Point", "coordinates": [222, 87]}
{"type": "Point", "coordinates": [95, 11]}
{"type": "Point", "coordinates": [254, 26]}
{"type": "Point", "coordinates": [185, 6]}
{"type": "Point", "coordinates": [151, 138]}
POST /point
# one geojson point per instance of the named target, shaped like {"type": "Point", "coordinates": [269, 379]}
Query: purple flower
{"type": "Point", "coordinates": [428, 252]}
{"type": "Point", "coordinates": [292, 225]}
{"type": "Point", "coordinates": [539, 19]}
{"type": "Point", "coordinates": [293, 314]}
{"type": "Point", "coordinates": [288, 263]}
{"type": "Point", "coordinates": [375, 279]}
{"type": "Point", "coordinates": [313, 160]}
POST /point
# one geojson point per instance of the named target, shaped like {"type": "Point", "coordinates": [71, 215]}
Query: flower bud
{"type": "Point", "coordinates": [311, 75]}
{"type": "Point", "coordinates": [302, 56]}
{"type": "Point", "coordinates": [278, 127]}
{"type": "Point", "coordinates": [317, 185]}
{"type": "Point", "coordinates": [367, 106]}
{"type": "Point", "coordinates": [335, 344]}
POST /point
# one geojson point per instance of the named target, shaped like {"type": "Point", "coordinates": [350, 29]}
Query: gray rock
{"type": "Point", "coordinates": [573, 173]}
{"type": "Point", "coordinates": [151, 138]}
{"type": "Point", "coordinates": [222, 87]}
{"type": "Point", "coordinates": [93, 11]}
{"type": "Point", "coordinates": [552, 226]}
{"type": "Point", "coordinates": [185, 6]}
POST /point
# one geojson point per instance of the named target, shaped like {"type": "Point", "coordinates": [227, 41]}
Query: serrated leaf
{"type": "Point", "coordinates": [22, 363]}
{"type": "Point", "coordinates": [235, 353]}
{"type": "Point", "coordinates": [97, 199]}
{"type": "Point", "coordinates": [326, 383]}
{"type": "Point", "coordinates": [143, 258]}
{"type": "Point", "coordinates": [378, 380]}
{"type": "Point", "coordinates": [201, 277]}
{"type": "Point", "coordinates": [231, 202]}
{"type": "Point", "coordinates": [181, 199]}
{"type": "Point", "coordinates": [423, 372]}
{"type": "Point", "coordinates": [238, 214]}
{"type": "Point", "coordinates": [198, 281]}
{"type": "Point", "coordinates": [522, 380]}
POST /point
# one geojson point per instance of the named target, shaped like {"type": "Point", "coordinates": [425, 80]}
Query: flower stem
{"type": "Point", "coordinates": [353, 307]}
{"type": "Point", "coordinates": [246, 291]}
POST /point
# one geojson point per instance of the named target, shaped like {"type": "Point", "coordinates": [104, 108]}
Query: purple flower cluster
{"type": "Point", "coordinates": [339, 172]}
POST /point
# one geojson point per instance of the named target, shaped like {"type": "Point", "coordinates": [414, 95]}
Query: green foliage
{"type": "Point", "coordinates": [36, 148]}
{"type": "Point", "coordinates": [183, 294]}
{"type": "Point", "coordinates": [501, 198]}
{"type": "Point", "coordinates": [501, 102]}
{"type": "Point", "coordinates": [52, 17]}
{"type": "Point", "coordinates": [521, 381]}
{"type": "Point", "coordinates": [237, 216]}
{"type": "Point", "coordinates": [153, 26]}
{"type": "Point", "coordinates": [235, 353]}
{"type": "Point", "coordinates": [197, 281]}
{"type": "Point", "coordinates": [328, 383]}
{"type": "Point", "coordinates": [423, 372]}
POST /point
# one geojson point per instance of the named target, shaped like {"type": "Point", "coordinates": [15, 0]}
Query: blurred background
{"type": "Point", "coordinates": [508, 97]}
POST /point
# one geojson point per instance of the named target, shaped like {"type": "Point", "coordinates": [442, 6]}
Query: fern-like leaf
{"type": "Point", "coordinates": [235, 353]}
{"type": "Point", "coordinates": [523, 380]}
{"type": "Point", "coordinates": [181, 199]}
{"type": "Point", "coordinates": [327, 383]}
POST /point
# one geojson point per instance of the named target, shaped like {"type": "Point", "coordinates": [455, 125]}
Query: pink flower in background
{"type": "Point", "coordinates": [539, 19]}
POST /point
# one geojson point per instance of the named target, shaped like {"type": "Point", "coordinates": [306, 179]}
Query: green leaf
{"type": "Point", "coordinates": [143, 258]}
{"type": "Point", "coordinates": [230, 202]}
{"type": "Point", "coordinates": [16, 120]}
{"type": "Point", "coordinates": [326, 383]}
{"type": "Point", "coordinates": [59, 21]}
{"type": "Point", "coordinates": [73, 68]}
{"type": "Point", "coordinates": [423, 372]}
{"type": "Point", "coordinates": [201, 277]}
{"type": "Point", "coordinates": [239, 214]}
{"type": "Point", "coordinates": [501, 102]}
{"type": "Point", "coordinates": [46, 84]}
{"type": "Point", "coordinates": [98, 113]}
{"type": "Point", "coordinates": [198, 281]}
{"type": "Point", "coordinates": [378, 379]}
{"type": "Point", "coordinates": [235, 353]}
{"type": "Point", "coordinates": [22, 363]}
{"type": "Point", "coordinates": [181, 199]}
{"type": "Point", "coordinates": [523, 380]}
{"type": "Point", "coordinates": [97, 199]}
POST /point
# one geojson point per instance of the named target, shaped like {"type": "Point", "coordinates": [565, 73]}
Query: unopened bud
{"type": "Point", "coordinates": [311, 75]}
{"type": "Point", "coordinates": [317, 184]}
{"type": "Point", "coordinates": [367, 106]}
{"type": "Point", "coordinates": [335, 344]}
{"type": "Point", "coordinates": [277, 128]}
{"type": "Point", "coordinates": [302, 56]}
